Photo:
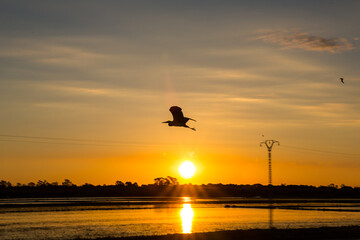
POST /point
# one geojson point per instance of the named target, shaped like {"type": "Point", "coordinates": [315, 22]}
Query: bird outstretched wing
{"type": "Point", "coordinates": [190, 119]}
{"type": "Point", "coordinates": [177, 113]}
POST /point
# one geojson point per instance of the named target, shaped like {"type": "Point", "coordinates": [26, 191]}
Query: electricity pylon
{"type": "Point", "coordinates": [269, 144]}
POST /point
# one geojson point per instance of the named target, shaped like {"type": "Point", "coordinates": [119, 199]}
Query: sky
{"type": "Point", "coordinates": [86, 85]}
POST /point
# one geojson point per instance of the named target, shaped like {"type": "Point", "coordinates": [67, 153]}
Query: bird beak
{"type": "Point", "coordinates": [164, 122]}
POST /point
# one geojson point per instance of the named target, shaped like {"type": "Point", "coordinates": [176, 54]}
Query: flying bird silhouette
{"type": "Point", "coordinates": [342, 80]}
{"type": "Point", "coordinates": [178, 118]}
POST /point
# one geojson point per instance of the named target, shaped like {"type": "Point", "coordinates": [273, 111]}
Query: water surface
{"type": "Point", "coordinates": [25, 219]}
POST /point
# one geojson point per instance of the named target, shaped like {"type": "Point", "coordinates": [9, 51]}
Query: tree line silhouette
{"type": "Point", "coordinates": [170, 187]}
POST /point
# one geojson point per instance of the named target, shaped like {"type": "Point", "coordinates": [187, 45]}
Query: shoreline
{"type": "Point", "coordinates": [118, 201]}
{"type": "Point", "coordinates": [321, 233]}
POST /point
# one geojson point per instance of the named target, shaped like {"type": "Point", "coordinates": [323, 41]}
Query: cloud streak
{"type": "Point", "coordinates": [302, 40]}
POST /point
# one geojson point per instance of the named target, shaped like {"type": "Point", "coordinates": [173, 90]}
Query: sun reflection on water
{"type": "Point", "coordinates": [187, 215]}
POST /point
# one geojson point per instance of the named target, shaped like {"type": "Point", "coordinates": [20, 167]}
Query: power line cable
{"type": "Point", "coordinates": [70, 141]}
{"type": "Point", "coordinates": [321, 151]}
{"type": "Point", "coordinates": [66, 143]}
{"type": "Point", "coordinates": [56, 138]}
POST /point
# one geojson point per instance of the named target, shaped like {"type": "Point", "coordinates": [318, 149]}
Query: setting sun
{"type": "Point", "coordinates": [187, 169]}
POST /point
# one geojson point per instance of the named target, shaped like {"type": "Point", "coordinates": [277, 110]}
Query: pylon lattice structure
{"type": "Point", "coordinates": [269, 144]}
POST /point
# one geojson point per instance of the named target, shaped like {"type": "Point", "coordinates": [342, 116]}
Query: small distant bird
{"type": "Point", "coordinates": [178, 118]}
{"type": "Point", "coordinates": [342, 80]}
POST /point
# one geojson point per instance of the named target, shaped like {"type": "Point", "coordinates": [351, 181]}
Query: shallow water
{"type": "Point", "coordinates": [148, 217]}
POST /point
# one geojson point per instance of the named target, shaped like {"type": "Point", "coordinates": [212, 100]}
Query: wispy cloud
{"type": "Point", "coordinates": [302, 40]}
{"type": "Point", "coordinates": [78, 90]}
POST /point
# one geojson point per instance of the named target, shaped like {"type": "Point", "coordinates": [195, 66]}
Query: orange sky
{"type": "Point", "coordinates": [101, 86]}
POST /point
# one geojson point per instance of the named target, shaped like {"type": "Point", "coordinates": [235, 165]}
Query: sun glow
{"type": "Point", "coordinates": [187, 169]}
